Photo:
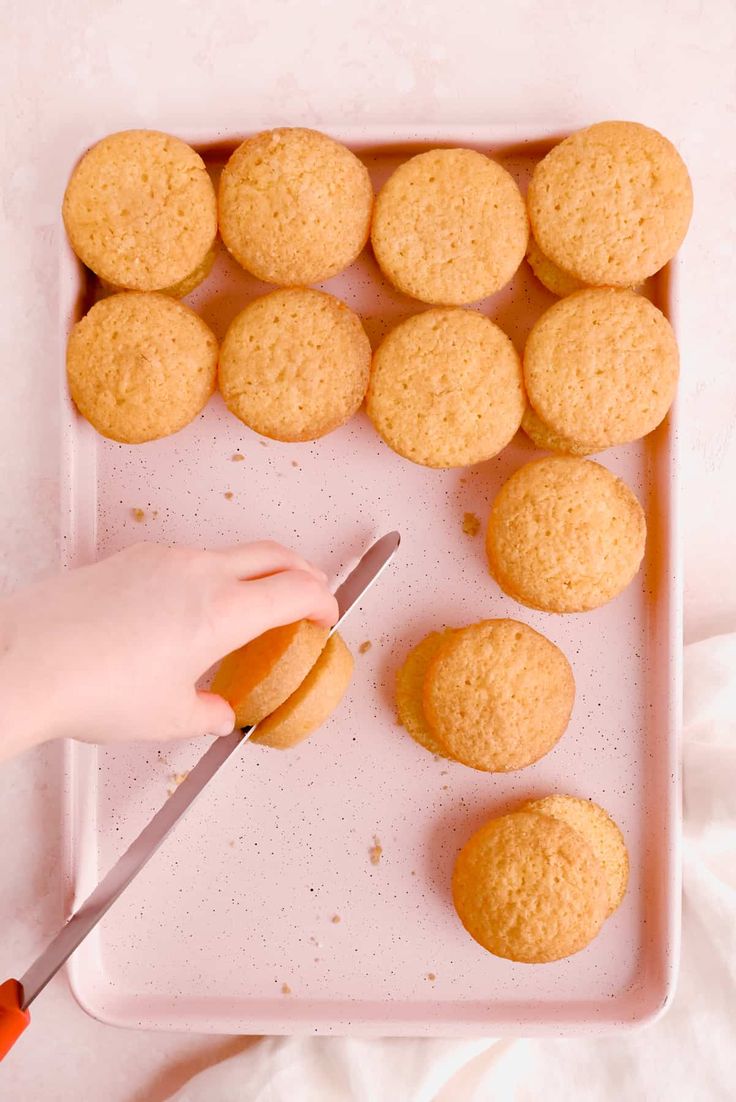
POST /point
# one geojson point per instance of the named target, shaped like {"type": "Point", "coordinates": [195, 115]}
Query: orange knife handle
{"type": "Point", "coordinates": [13, 1020]}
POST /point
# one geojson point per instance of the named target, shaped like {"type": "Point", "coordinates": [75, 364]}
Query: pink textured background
{"type": "Point", "coordinates": [87, 68]}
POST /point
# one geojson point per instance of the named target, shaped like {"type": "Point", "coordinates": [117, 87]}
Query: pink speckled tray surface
{"type": "Point", "coordinates": [240, 900]}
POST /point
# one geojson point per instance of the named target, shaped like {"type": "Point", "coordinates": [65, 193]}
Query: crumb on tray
{"type": "Point", "coordinates": [471, 524]}
{"type": "Point", "coordinates": [229, 495]}
{"type": "Point", "coordinates": [138, 515]}
{"type": "Point", "coordinates": [335, 919]}
{"type": "Point", "coordinates": [285, 989]}
{"type": "Point", "coordinates": [365, 647]}
{"type": "Point", "coordinates": [176, 780]}
{"type": "Point", "coordinates": [237, 457]}
{"type": "Point", "coordinates": [294, 463]}
{"type": "Point", "coordinates": [431, 977]}
{"type": "Point", "coordinates": [375, 851]}
{"type": "Point", "coordinates": [263, 443]}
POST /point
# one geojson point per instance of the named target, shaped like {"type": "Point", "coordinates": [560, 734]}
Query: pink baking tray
{"type": "Point", "coordinates": [240, 900]}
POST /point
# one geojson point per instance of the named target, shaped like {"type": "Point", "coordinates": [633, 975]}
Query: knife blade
{"type": "Point", "coordinates": [139, 852]}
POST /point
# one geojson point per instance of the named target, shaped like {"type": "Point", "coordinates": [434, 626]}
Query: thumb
{"type": "Point", "coordinates": [212, 715]}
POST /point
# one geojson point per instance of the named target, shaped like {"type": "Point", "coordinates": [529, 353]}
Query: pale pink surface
{"type": "Point", "coordinates": [662, 63]}
{"type": "Point", "coordinates": [253, 898]}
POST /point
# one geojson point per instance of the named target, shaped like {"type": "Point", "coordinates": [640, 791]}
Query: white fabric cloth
{"type": "Point", "coordinates": [689, 1055]}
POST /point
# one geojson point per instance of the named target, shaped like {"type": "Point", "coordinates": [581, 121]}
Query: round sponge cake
{"type": "Point", "coordinates": [446, 389]}
{"type": "Point", "coordinates": [450, 227]}
{"type": "Point", "coordinates": [565, 535]}
{"type": "Point", "coordinates": [295, 364]}
{"type": "Point", "coordinates": [257, 678]}
{"type": "Point", "coordinates": [601, 366]}
{"type": "Point", "coordinates": [295, 206]}
{"type": "Point", "coordinates": [140, 211]}
{"type": "Point", "coordinates": [529, 888]}
{"type": "Point", "coordinates": [140, 365]}
{"type": "Point", "coordinates": [313, 702]}
{"type": "Point", "coordinates": [611, 204]}
{"type": "Point", "coordinates": [549, 274]}
{"type": "Point", "coordinates": [498, 695]}
{"type": "Point", "coordinates": [549, 440]}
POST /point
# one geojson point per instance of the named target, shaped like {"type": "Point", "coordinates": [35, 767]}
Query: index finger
{"type": "Point", "coordinates": [264, 557]}
{"type": "Point", "coordinates": [252, 607]}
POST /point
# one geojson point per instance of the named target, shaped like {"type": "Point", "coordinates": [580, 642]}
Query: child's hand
{"type": "Point", "coordinates": [111, 652]}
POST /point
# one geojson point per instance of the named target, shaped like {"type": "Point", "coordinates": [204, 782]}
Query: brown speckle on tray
{"type": "Point", "coordinates": [138, 515]}
{"type": "Point", "coordinates": [365, 647]}
{"type": "Point", "coordinates": [471, 524]}
{"type": "Point", "coordinates": [335, 919]}
{"type": "Point", "coordinates": [237, 457]}
{"type": "Point", "coordinates": [431, 977]}
{"type": "Point", "coordinates": [229, 495]}
{"type": "Point", "coordinates": [375, 851]}
{"type": "Point", "coordinates": [285, 989]}
{"type": "Point", "coordinates": [263, 443]}
{"type": "Point", "coordinates": [294, 463]}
